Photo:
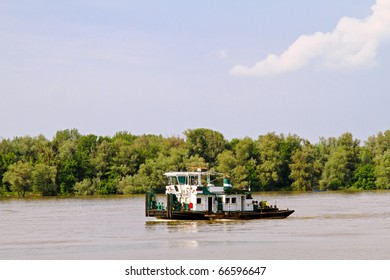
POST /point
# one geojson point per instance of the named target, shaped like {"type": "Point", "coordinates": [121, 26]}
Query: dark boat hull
{"type": "Point", "coordinates": [241, 215]}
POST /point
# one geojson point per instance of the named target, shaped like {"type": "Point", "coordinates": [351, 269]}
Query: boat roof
{"type": "Point", "coordinates": [190, 173]}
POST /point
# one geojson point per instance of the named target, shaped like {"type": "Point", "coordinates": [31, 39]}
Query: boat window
{"type": "Point", "coordinates": [227, 200]}
{"type": "Point", "coordinates": [198, 200]}
{"type": "Point", "coordinates": [182, 180]}
{"type": "Point", "coordinates": [194, 180]}
{"type": "Point", "coordinates": [234, 200]}
{"type": "Point", "coordinates": [176, 188]}
{"type": "Point", "coordinates": [172, 180]}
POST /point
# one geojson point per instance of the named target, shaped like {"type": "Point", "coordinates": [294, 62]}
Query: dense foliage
{"type": "Point", "coordinates": [72, 163]}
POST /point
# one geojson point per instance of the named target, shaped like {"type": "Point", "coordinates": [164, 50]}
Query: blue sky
{"type": "Point", "coordinates": [243, 68]}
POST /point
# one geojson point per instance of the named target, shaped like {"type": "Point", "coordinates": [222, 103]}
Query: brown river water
{"type": "Point", "coordinates": [326, 225]}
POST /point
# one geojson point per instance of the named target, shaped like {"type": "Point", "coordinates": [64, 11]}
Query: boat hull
{"type": "Point", "coordinates": [241, 215]}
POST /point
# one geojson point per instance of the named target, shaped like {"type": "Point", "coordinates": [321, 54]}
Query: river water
{"type": "Point", "coordinates": [327, 225]}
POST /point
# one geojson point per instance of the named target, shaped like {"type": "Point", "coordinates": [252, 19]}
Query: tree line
{"type": "Point", "coordinates": [75, 164]}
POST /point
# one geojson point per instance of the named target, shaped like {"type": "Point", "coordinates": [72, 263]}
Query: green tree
{"type": "Point", "coordinates": [288, 146]}
{"type": "Point", "coordinates": [325, 148]}
{"type": "Point", "coordinates": [74, 154]}
{"type": "Point", "coordinates": [336, 172]}
{"type": "Point", "coordinates": [240, 163]}
{"type": "Point", "coordinates": [7, 157]}
{"type": "Point", "coordinates": [379, 143]}
{"type": "Point", "coordinates": [342, 162]}
{"type": "Point", "coordinates": [103, 158]}
{"type": "Point", "coordinates": [84, 152]}
{"type": "Point", "coordinates": [149, 177]}
{"type": "Point", "coordinates": [246, 149]}
{"type": "Point", "coordinates": [226, 162]}
{"type": "Point", "coordinates": [352, 147]}
{"type": "Point", "coordinates": [382, 170]}
{"type": "Point", "coordinates": [126, 158]}
{"type": "Point", "coordinates": [124, 136]}
{"type": "Point", "coordinates": [44, 179]}
{"type": "Point", "coordinates": [146, 147]}
{"type": "Point", "coordinates": [364, 177]}
{"type": "Point", "coordinates": [88, 164]}
{"type": "Point", "coordinates": [64, 145]}
{"type": "Point", "coordinates": [228, 165]}
{"type": "Point", "coordinates": [304, 168]}
{"type": "Point", "coordinates": [87, 187]}
{"type": "Point", "coordinates": [194, 162]}
{"type": "Point", "coordinates": [22, 148]}
{"type": "Point", "coordinates": [379, 146]}
{"type": "Point", "coordinates": [67, 166]}
{"type": "Point", "coordinates": [205, 143]}
{"type": "Point", "coordinates": [132, 185]}
{"type": "Point", "coordinates": [42, 150]}
{"type": "Point", "coordinates": [271, 161]}
{"type": "Point", "coordinates": [63, 136]}
{"type": "Point", "coordinates": [248, 157]}
{"type": "Point", "coordinates": [18, 176]}
{"type": "Point", "coordinates": [180, 161]}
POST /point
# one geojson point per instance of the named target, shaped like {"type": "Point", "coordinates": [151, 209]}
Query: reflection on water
{"type": "Point", "coordinates": [324, 226]}
{"type": "Point", "coordinates": [191, 226]}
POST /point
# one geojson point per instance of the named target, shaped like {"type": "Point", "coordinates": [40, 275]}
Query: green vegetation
{"type": "Point", "coordinates": [88, 164]}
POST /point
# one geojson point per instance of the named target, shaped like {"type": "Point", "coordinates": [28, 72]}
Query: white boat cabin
{"type": "Point", "coordinates": [196, 191]}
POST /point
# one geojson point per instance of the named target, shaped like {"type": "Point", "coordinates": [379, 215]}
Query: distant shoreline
{"type": "Point", "coordinates": [76, 164]}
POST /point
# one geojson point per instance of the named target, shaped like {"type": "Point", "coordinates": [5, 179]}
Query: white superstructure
{"type": "Point", "coordinates": [196, 191]}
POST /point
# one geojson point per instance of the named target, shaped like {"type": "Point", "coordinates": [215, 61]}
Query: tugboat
{"type": "Point", "coordinates": [193, 196]}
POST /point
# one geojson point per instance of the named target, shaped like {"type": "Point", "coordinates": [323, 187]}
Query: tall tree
{"type": "Point", "coordinates": [382, 170]}
{"type": "Point", "coordinates": [288, 146]}
{"type": "Point", "coordinates": [341, 164]}
{"type": "Point", "coordinates": [63, 136]}
{"type": "Point", "coordinates": [364, 177]}
{"type": "Point", "coordinates": [19, 177]}
{"type": "Point", "coordinates": [379, 146]}
{"type": "Point", "coordinates": [44, 179]}
{"type": "Point", "coordinates": [205, 143]}
{"type": "Point", "coordinates": [226, 162]}
{"type": "Point", "coordinates": [336, 172]}
{"type": "Point", "coordinates": [42, 150]}
{"type": "Point", "coordinates": [7, 157]}
{"type": "Point", "coordinates": [248, 157]}
{"type": "Point", "coordinates": [269, 169]}
{"type": "Point", "coordinates": [67, 166]}
{"type": "Point", "coordinates": [304, 168]}
{"type": "Point", "coordinates": [103, 158]}
{"type": "Point", "coordinates": [84, 152]}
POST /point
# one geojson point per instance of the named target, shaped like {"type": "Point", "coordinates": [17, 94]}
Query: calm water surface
{"type": "Point", "coordinates": [328, 225]}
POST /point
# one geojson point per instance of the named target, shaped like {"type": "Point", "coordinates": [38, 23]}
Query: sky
{"type": "Point", "coordinates": [243, 68]}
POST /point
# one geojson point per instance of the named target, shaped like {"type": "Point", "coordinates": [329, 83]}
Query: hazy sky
{"type": "Point", "coordinates": [243, 68]}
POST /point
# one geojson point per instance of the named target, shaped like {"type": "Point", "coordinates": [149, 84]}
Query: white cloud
{"type": "Point", "coordinates": [352, 43]}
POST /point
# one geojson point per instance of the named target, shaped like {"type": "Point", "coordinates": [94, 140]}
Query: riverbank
{"type": "Point", "coordinates": [32, 196]}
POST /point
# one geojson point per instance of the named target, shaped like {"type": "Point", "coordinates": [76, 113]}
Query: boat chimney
{"type": "Point", "coordinates": [226, 183]}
